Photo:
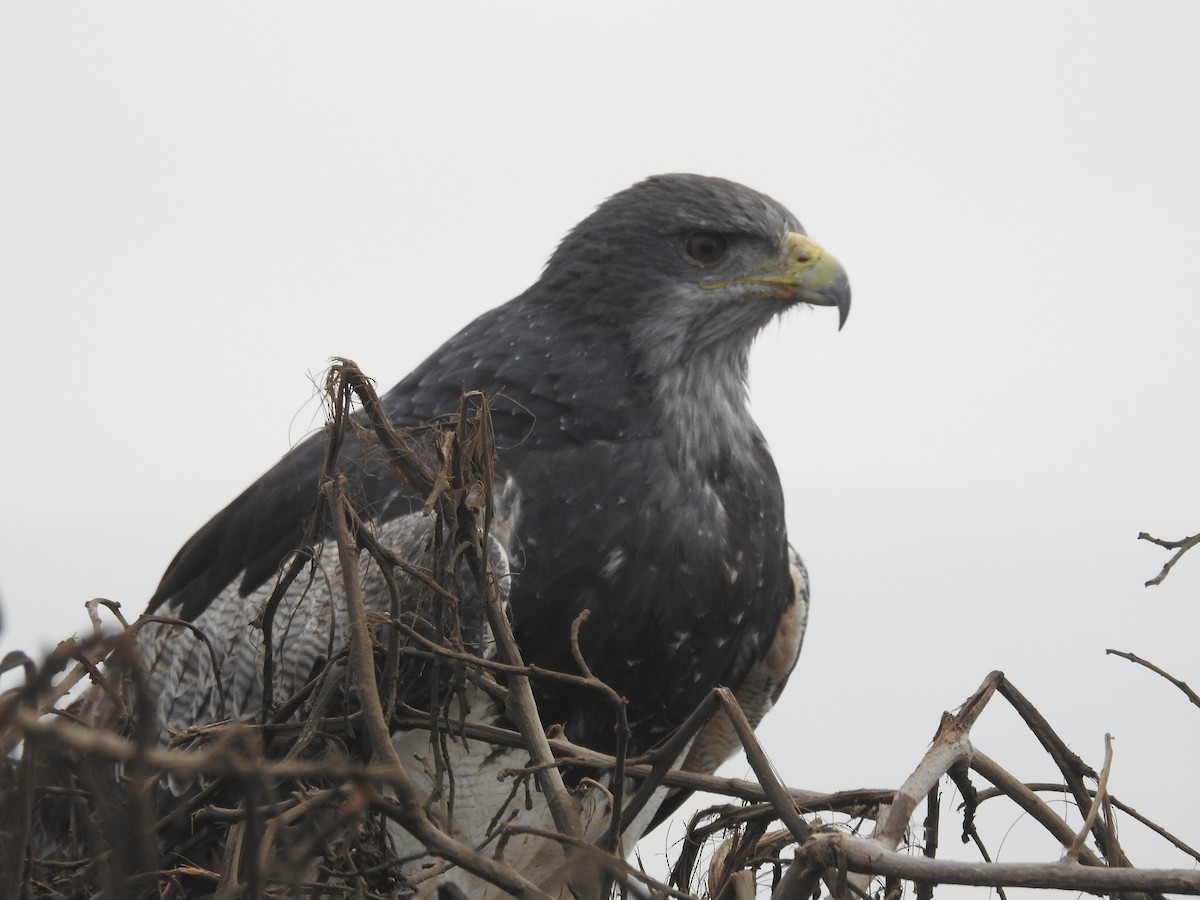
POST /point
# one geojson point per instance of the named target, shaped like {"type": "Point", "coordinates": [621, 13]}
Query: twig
{"type": "Point", "coordinates": [414, 470]}
{"type": "Point", "coordinates": [1072, 767]}
{"type": "Point", "coordinates": [173, 622]}
{"type": "Point", "coordinates": [930, 844]}
{"type": "Point", "coordinates": [667, 755]}
{"type": "Point", "coordinates": [960, 775]}
{"type": "Point", "coordinates": [614, 864]}
{"type": "Point", "coordinates": [408, 809]}
{"type": "Point", "coordinates": [1123, 807]}
{"type": "Point", "coordinates": [1037, 808]}
{"type": "Point", "coordinates": [1180, 547]}
{"type": "Point", "coordinates": [1093, 812]}
{"type": "Point", "coordinates": [950, 745]}
{"type": "Point", "coordinates": [521, 704]}
{"type": "Point", "coordinates": [437, 842]}
{"type": "Point", "coordinates": [361, 644]}
{"type": "Point", "coordinates": [1182, 685]}
{"type": "Point", "coordinates": [785, 807]}
{"type": "Point", "coordinates": [612, 841]}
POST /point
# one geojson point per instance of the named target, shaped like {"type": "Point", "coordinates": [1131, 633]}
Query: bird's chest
{"type": "Point", "coordinates": [682, 574]}
{"type": "Point", "coordinates": [718, 552]}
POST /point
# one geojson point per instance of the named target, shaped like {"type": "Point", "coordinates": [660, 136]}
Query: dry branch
{"type": "Point", "coordinates": [1182, 685]}
{"type": "Point", "coordinates": [1180, 547]}
{"type": "Point", "coordinates": [865, 856]}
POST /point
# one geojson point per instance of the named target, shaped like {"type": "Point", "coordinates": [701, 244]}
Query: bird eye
{"type": "Point", "coordinates": [706, 247]}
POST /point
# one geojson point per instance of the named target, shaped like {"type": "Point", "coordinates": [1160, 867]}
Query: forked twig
{"type": "Point", "coordinates": [1180, 547]}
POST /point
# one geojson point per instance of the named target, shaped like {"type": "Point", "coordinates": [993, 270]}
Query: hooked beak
{"type": "Point", "coordinates": [818, 277]}
{"type": "Point", "coordinates": [806, 273]}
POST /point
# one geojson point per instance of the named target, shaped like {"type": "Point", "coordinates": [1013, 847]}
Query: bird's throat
{"type": "Point", "coordinates": [703, 411]}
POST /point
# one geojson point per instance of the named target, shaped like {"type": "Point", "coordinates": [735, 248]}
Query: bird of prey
{"type": "Point", "coordinates": [631, 482]}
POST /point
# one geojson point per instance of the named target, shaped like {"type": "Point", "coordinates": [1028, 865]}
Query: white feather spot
{"type": "Point", "coordinates": [613, 564]}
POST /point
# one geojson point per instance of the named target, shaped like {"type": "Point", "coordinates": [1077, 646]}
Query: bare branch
{"type": "Point", "coordinates": [867, 857]}
{"type": "Point", "coordinates": [1020, 794]}
{"type": "Point", "coordinates": [1182, 685]}
{"type": "Point", "coordinates": [784, 806]}
{"type": "Point", "coordinates": [950, 746]}
{"type": "Point", "coordinates": [1180, 547]}
{"type": "Point", "coordinates": [1089, 821]}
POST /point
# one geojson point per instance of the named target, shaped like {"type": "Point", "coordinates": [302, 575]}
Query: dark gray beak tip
{"type": "Point", "coordinates": [841, 290]}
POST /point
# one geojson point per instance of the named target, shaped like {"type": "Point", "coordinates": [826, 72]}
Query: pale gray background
{"type": "Point", "coordinates": [199, 204]}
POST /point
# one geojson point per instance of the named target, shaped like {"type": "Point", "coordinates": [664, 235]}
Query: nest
{"type": "Point", "coordinates": [301, 800]}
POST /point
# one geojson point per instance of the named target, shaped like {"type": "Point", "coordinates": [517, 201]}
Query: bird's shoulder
{"type": "Point", "coordinates": [551, 378]}
{"type": "Point", "coordinates": [552, 383]}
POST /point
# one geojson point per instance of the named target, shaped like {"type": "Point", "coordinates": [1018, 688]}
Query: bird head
{"type": "Point", "coordinates": [688, 263]}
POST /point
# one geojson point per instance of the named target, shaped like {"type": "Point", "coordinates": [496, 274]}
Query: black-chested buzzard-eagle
{"type": "Point", "coordinates": [631, 481]}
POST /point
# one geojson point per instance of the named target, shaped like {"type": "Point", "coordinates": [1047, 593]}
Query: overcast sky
{"type": "Point", "coordinates": [200, 204]}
